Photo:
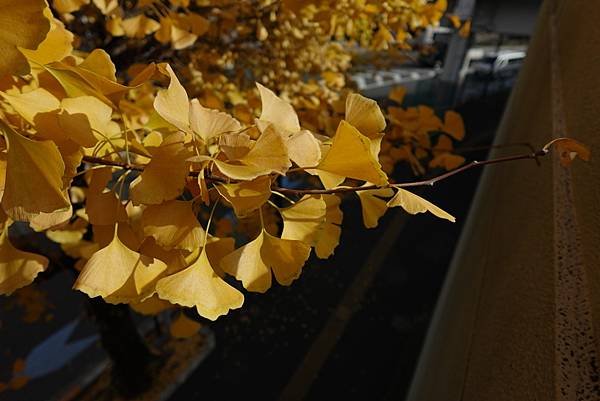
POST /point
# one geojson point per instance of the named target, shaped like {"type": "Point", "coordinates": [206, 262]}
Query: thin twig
{"type": "Point", "coordinates": [299, 192]}
{"type": "Point", "coordinates": [429, 182]}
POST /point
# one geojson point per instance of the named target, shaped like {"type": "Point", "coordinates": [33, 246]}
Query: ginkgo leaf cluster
{"type": "Point", "coordinates": [134, 180]}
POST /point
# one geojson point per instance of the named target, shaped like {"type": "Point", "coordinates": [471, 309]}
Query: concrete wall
{"type": "Point", "coordinates": [493, 335]}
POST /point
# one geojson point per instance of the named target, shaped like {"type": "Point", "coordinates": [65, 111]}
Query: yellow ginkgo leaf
{"type": "Point", "coordinates": [119, 274]}
{"type": "Point", "coordinates": [34, 177]}
{"type": "Point", "coordinates": [80, 109]}
{"type": "Point", "coordinates": [44, 221]}
{"type": "Point", "coordinates": [77, 81]}
{"type": "Point", "coordinates": [172, 103]}
{"type": "Point", "coordinates": [454, 125]}
{"type": "Point", "coordinates": [29, 104]}
{"type": "Point", "coordinates": [209, 123]}
{"type": "Point", "coordinates": [151, 306]}
{"type": "Point", "coordinates": [106, 7]}
{"type": "Point", "coordinates": [181, 38]}
{"type": "Point", "coordinates": [304, 149]}
{"type": "Point", "coordinates": [414, 204]}
{"type": "Point", "coordinates": [56, 46]}
{"type": "Point", "coordinates": [350, 156]}
{"type": "Point", "coordinates": [268, 155]}
{"type": "Point", "coordinates": [397, 94]}
{"type": "Point", "coordinates": [99, 62]}
{"type": "Point", "coordinates": [304, 220]}
{"type": "Point", "coordinates": [184, 327]}
{"type": "Point", "coordinates": [68, 6]}
{"type": "Point", "coordinates": [455, 20]}
{"type": "Point", "coordinates": [103, 207]}
{"type": "Point", "coordinates": [164, 177]}
{"type": "Point", "coordinates": [269, 152]}
{"type": "Point", "coordinates": [216, 249]}
{"type": "Point", "coordinates": [373, 207]}
{"type": "Point", "coordinates": [173, 224]}
{"type": "Point", "coordinates": [199, 286]}
{"type": "Point", "coordinates": [253, 263]}
{"type": "Point", "coordinates": [246, 197]}
{"type": "Point", "coordinates": [22, 24]}
{"type": "Point", "coordinates": [139, 26]}
{"type": "Point", "coordinates": [70, 233]}
{"type": "Point", "coordinates": [235, 146]}
{"type": "Point", "coordinates": [17, 268]}
{"type": "Point", "coordinates": [465, 29]}
{"type": "Point", "coordinates": [364, 114]}
{"type": "Point", "coordinates": [277, 111]}
{"type": "Point", "coordinates": [329, 236]}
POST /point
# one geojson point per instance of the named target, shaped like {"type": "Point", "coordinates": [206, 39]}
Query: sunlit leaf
{"type": "Point", "coordinates": [350, 156]}
{"type": "Point", "coordinates": [277, 111]}
{"type": "Point", "coordinates": [253, 263]}
{"type": "Point", "coordinates": [173, 224]}
{"type": "Point", "coordinates": [305, 220]}
{"type": "Point", "coordinates": [119, 274]}
{"type": "Point", "coordinates": [372, 204]}
{"type": "Point", "coordinates": [414, 204]}
{"type": "Point", "coordinates": [22, 25]}
{"type": "Point", "coordinates": [164, 177]}
{"type": "Point", "coordinates": [199, 286]}
{"type": "Point", "coordinates": [248, 196]}
{"type": "Point", "coordinates": [210, 123]}
{"type": "Point", "coordinates": [173, 103]}
{"type": "Point", "coordinates": [34, 177]}
{"type": "Point", "coordinates": [329, 236]}
{"type": "Point", "coordinates": [364, 114]}
{"type": "Point", "coordinates": [268, 155]}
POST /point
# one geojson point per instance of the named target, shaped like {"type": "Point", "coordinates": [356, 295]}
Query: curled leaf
{"type": "Point", "coordinates": [277, 111]}
{"type": "Point", "coordinates": [414, 204]}
{"type": "Point", "coordinates": [364, 114]}
{"type": "Point", "coordinates": [568, 149]}
{"type": "Point", "coordinates": [172, 103]}
{"type": "Point", "coordinates": [373, 207]}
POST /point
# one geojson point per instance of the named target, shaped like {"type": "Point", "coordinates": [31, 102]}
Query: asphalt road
{"type": "Point", "coordinates": [351, 327]}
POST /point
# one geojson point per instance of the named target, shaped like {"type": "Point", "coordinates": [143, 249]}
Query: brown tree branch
{"type": "Point", "coordinates": [429, 182]}
{"type": "Point", "coordinates": [311, 191]}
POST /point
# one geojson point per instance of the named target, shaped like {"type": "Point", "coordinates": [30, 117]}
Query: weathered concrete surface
{"type": "Point", "coordinates": [493, 335]}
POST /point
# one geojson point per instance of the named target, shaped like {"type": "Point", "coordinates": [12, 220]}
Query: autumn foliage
{"type": "Point", "coordinates": [165, 187]}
